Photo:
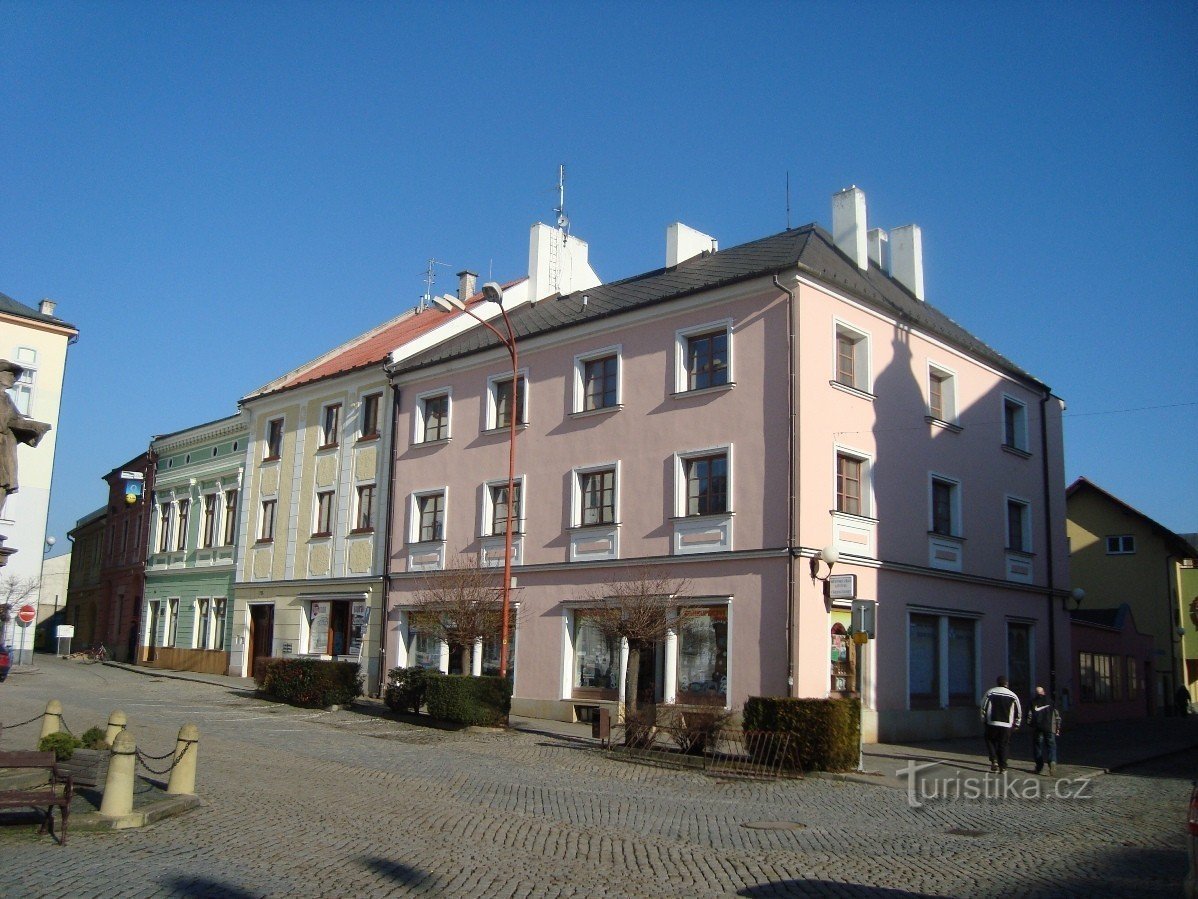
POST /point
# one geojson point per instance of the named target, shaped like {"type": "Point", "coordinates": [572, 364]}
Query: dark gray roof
{"type": "Point", "coordinates": [810, 248]}
{"type": "Point", "coordinates": [10, 306]}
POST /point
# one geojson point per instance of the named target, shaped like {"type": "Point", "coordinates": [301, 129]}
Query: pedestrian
{"type": "Point", "coordinates": [1001, 713]}
{"type": "Point", "coordinates": [1181, 700]}
{"type": "Point", "coordinates": [1045, 722]}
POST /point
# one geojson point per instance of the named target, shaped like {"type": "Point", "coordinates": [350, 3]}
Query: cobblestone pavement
{"type": "Point", "coordinates": [309, 803]}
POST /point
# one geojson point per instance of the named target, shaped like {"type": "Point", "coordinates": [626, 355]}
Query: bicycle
{"type": "Point", "coordinates": [96, 653]}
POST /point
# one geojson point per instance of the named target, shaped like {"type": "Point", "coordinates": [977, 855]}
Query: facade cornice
{"type": "Point", "coordinates": [38, 324]}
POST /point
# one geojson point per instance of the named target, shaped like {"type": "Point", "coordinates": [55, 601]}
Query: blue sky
{"type": "Point", "coordinates": [216, 192]}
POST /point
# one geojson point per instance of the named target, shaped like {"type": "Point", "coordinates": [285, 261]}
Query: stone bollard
{"type": "Point", "coordinates": [187, 748]}
{"type": "Point", "coordinates": [118, 788]}
{"type": "Point", "coordinates": [117, 722]}
{"type": "Point", "coordinates": [52, 720]}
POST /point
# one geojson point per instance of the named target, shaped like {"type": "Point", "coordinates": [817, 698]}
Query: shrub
{"type": "Point", "coordinates": [640, 729]}
{"type": "Point", "coordinates": [824, 733]}
{"type": "Point", "coordinates": [62, 744]}
{"type": "Point", "coordinates": [93, 738]}
{"type": "Point", "coordinates": [313, 683]}
{"type": "Point", "coordinates": [469, 700]}
{"type": "Point", "coordinates": [406, 688]}
{"type": "Point", "coordinates": [693, 728]}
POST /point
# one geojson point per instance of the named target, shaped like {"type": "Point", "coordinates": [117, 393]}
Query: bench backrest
{"type": "Point", "coordinates": [28, 760]}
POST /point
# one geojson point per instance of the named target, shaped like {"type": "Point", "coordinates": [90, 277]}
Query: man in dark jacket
{"type": "Point", "coordinates": [1045, 722]}
{"type": "Point", "coordinates": [1001, 714]}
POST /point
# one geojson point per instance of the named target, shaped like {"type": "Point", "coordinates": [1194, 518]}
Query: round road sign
{"type": "Point", "coordinates": [26, 614]}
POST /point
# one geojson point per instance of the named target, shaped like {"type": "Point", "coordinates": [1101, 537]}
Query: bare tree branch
{"type": "Point", "coordinates": [461, 604]}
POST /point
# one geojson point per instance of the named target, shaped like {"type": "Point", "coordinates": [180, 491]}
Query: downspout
{"type": "Point", "coordinates": [1174, 623]}
{"type": "Point", "coordinates": [387, 536]}
{"type": "Point", "coordinates": [792, 478]}
{"type": "Point", "coordinates": [1048, 541]}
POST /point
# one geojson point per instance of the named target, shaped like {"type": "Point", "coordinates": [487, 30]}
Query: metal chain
{"type": "Point", "coordinates": [23, 723]}
{"type": "Point", "coordinates": [63, 721]}
{"type": "Point", "coordinates": [141, 757]}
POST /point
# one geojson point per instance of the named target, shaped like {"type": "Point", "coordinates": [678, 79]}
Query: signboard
{"type": "Point", "coordinates": [865, 617]}
{"type": "Point", "coordinates": [26, 614]}
{"type": "Point", "coordinates": [65, 631]}
{"type": "Point", "coordinates": [132, 476]}
{"type": "Point", "coordinates": [842, 586]}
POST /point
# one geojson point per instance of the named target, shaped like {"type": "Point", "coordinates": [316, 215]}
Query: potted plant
{"type": "Point", "coordinates": [85, 758]}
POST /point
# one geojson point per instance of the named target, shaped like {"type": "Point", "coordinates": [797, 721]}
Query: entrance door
{"type": "Point", "coordinates": [646, 677]}
{"type": "Point", "coordinates": [262, 633]}
{"type": "Point", "coordinates": [152, 634]}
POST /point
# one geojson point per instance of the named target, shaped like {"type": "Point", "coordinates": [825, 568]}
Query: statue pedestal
{"type": "Point", "coordinates": [5, 552]}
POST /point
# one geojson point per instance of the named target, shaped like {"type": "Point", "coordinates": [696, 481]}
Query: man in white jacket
{"type": "Point", "coordinates": [1001, 714]}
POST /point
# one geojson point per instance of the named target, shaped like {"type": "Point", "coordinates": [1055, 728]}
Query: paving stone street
{"type": "Point", "coordinates": [308, 803]}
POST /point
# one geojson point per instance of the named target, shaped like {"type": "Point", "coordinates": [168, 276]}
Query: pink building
{"type": "Point", "coordinates": [724, 419]}
{"type": "Point", "coordinates": [1112, 666]}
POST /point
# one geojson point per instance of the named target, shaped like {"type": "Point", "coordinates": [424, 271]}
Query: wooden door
{"type": "Point", "coordinates": [262, 633]}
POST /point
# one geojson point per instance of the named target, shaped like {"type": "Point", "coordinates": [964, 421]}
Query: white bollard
{"type": "Point", "coordinates": [117, 722]}
{"type": "Point", "coordinates": [183, 773]}
{"type": "Point", "coordinates": [118, 788]}
{"type": "Point", "coordinates": [52, 720]}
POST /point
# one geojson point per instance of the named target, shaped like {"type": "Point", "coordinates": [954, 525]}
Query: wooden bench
{"type": "Point", "coordinates": [58, 792]}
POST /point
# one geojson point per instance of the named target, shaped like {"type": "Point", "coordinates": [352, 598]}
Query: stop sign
{"type": "Point", "coordinates": [26, 614]}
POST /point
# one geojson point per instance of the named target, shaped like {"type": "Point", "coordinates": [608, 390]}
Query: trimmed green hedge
{"type": "Point", "coordinates": [469, 700]}
{"type": "Point", "coordinates": [313, 683]}
{"type": "Point", "coordinates": [406, 688]}
{"type": "Point", "coordinates": [825, 733]}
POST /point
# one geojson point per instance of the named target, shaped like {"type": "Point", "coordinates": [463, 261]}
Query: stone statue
{"type": "Point", "coordinates": [14, 428]}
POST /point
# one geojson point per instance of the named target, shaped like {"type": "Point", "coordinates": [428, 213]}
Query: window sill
{"type": "Point", "coordinates": [425, 544]}
{"type": "Point", "coordinates": [362, 531]}
{"type": "Point", "coordinates": [702, 391]}
{"type": "Point", "coordinates": [955, 538]}
{"type": "Point", "coordinates": [262, 541]}
{"type": "Point", "coordinates": [854, 391]}
{"type": "Point", "coordinates": [703, 515]}
{"type": "Point", "coordinates": [367, 438]}
{"type": "Point", "coordinates": [440, 441]}
{"type": "Point", "coordinates": [853, 516]}
{"type": "Point", "coordinates": [324, 447]}
{"type": "Point", "coordinates": [321, 535]}
{"type": "Point", "coordinates": [594, 526]}
{"type": "Point", "coordinates": [941, 423]}
{"type": "Point", "coordinates": [503, 429]}
{"type": "Point", "coordinates": [1016, 451]}
{"type": "Point", "coordinates": [271, 458]}
{"type": "Point", "coordinates": [602, 410]}
{"type": "Point", "coordinates": [1022, 553]}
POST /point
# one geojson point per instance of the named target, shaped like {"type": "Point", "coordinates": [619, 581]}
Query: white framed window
{"type": "Point", "coordinates": [702, 655]}
{"type": "Point", "coordinates": [431, 421]}
{"type": "Point", "coordinates": [266, 522]}
{"type": "Point", "coordinates": [944, 506]}
{"type": "Point", "coordinates": [852, 351]}
{"type": "Point", "coordinates": [209, 521]}
{"type": "Point", "coordinates": [854, 483]}
{"type": "Point", "coordinates": [501, 404]}
{"type": "Point", "coordinates": [330, 425]}
{"type": "Point", "coordinates": [22, 390]}
{"type": "Point", "coordinates": [325, 510]}
{"type": "Point", "coordinates": [427, 516]}
{"type": "Point", "coordinates": [597, 380]}
{"type": "Point", "coordinates": [202, 630]}
{"type": "Point", "coordinates": [703, 356]}
{"type": "Point", "coordinates": [595, 660]}
{"type": "Point", "coordinates": [942, 394]}
{"type": "Point", "coordinates": [364, 511]}
{"type": "Point", "coordinates": [495, 506]}
{"type": "Point", "coordinates": [184, 506]}
{"type": "Point", "coordinates": [1120, 545]}
{"type": "Point", "coordinates": [272, 446]}
{"type": "Point", "coordinates": [703, 482]}
{"type": "Point", "coordinates": [596, 498]}
{"type": "Point", "coordinates": [1014, 424]}
{"type": "Point", "coordinates": [230, 517]}
{"type": "Point", "coordinates": [1019, 525]}
{"type": "Point", "coordinates": [220, 609]}
{"type": "Point", "coordinates": [368, 416]}
{"type": "Point", "coordinates": [172, 621]}
{"type": "Point", "coordinates": [164, 526]}
{"type": "Point", "coordinates": [942, 661]}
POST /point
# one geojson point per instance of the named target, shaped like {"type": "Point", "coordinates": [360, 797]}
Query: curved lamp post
{"type": "Point", "coordinates": [494, 293]}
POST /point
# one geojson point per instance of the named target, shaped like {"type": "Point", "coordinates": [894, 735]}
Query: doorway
{"type": "Point", "coordinates": [262, 633]}
{"type": "Point", "coordinates": [646, 676]}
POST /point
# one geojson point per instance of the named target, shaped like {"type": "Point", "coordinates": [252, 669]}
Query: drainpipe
{"type": "Point", "coordinates": [792, 478]}
{"type": "Point", "coordinates": [1173, 638]}
{"type": "Point", "coordinates": [390, 470]}
{"type": "Point", "coordinates": [1048, 540]}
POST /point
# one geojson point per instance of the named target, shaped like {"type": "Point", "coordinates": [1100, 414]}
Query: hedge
{"type": "Point", "coordinates": [406, 688]}
{"type": "Point", "coordinates": [825, 733]}
{"type": "Point", "coordinates": [469, 700]}
{"type": "Point", "coordinates": [313, 683]}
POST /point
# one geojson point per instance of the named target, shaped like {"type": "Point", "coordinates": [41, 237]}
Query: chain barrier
{"type": "Point", "coordinates": [23, 723]}
{"type": "Point", "coordinates": [141, 757]}
{"type": "Point", "coordinates": [63, 721]}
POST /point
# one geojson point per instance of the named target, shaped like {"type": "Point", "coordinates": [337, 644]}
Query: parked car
{"type": "Point", "coordinates": [1191, 881]}
{"type": "Point", "coordinates": [5, 663]}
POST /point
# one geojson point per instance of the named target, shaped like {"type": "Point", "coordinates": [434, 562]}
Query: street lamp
{"type": "Point", "coordinates": [494, 293]}
{"type": "Point", "coordinates": [1077, 594]}
{"type": "Point", "coordinates": [830, 556]}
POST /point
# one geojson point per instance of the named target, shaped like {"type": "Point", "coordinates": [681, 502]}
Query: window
{"type": "Point", "coordinates": [600, 383]}
{"type": "Point", "coordinates": [203, 623]}
{"type": "Point", "coordinates": [1100, 677]}
{"type": "Point", "coordinates": [503, 403]}
{"type": "Point", "coordinates": [706, 484]}
{"type": "Point", "coordinates": [230, 517]}
{"type": "Point", "coordinates": [852, 358]}
{"type": "Point", "coordinates": [426, 648]}
{"type": "Point", "coordinates": [219, 610]}
{"type": "Point", "coordinates": [942, 661]}
{"type": "Point", "coordinates": [330, 628]}
{"type": "Point", "coordinates": [1014, 418]}
{"type": "Point", "coordinates": [707, 360]}
{"type": "Point", "coordinates": [1019, 535]}
{"type": "Point", "coordinates": [596, 659]}
{"type": "Point", "coordinates": [703, 655]}
{"type": "Point", "coordinates": [434, 418]}
{"type": "Point", "coordinates": [945, 507]}
{"type": "Point", "coordinates": [124, 536]}
{"type": "Point", "coordinates": [324, 513]}
{"type": "Point", "coordinates": [22, 391]}
{"type": "Point", "coordinates": [844, 677]}
{"type": "Point", "coordinates": [850, 496]}
{"type": "Point", "coordinates": [181, 537]}
{"type": "Point", "coordinates": [172, 621]}
{"type": "Point", "coordinates": [498, 495]}
{"type": "Point", "coordinates": [370, 416]}
{"type": "Point", "coordinates": [1019, 658]}
{"type": "Point", "coordinates": [164, 527]}
{"type": "Point", "coordinates": [942, 400]}
{"type": "Point", "coordinates": [330, 422]}
{"type": "Point", "coordinates": [274, 438]}
{"type": "Point", "coordinates": [208, 529]}
{"type": "Point", "coordinates": [266, 525]}
{"type": "Point", "coordinates": [1133, 678]}
{"type": "Point", "coordinates": [597, 496]}
{"type": "Point", "coordinates": [430, 512]}
{"type": "Point", "coordinates": [962, 662]}
{"type": "Point", "coordinates": [365, 517]}
{"type": "Point", "coordinates": [1120, 545]}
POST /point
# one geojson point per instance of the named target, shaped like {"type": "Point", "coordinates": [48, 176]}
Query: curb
{"type": "Point", "coordinates": [152, 811]}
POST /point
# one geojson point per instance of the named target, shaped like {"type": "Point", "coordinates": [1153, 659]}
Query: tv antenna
{"type": "Point", "coordinates": [563, 220]}
{"type": "Point", "coordinates": [430, 278]}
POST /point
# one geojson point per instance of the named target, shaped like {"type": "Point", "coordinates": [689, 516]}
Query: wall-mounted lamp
{"type": "Point", "coordinates": [829, 554]}
{"type": "Point", "coordinates": [1076, 595]}
{"type": "Point", "coordinates": [1180, 632]}
{"type": "Point", "coordinates": [50, 541]}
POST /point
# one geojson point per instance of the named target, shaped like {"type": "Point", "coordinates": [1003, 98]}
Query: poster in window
{"type": "Point", "coordinates": [318, 620]}
{"type": "Point", "coordinates": [357, 633]}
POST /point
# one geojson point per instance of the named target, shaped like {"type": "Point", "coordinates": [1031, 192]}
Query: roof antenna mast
{"type": "Point", "coordinates": [430, 278]}
{"type": "Point", "coordinates": [788, 199]}
{"type": "Point", "coordinates": [563, 221]}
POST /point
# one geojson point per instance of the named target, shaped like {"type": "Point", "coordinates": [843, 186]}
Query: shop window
{"type": "Point", "coordinates": [844, 680]}
{"type": "Point", "coordinates": [596, 660]}
{"type": "Point", "coordinates": [703, 655]}
{"type": "Point", "coordinates": [331, 631]}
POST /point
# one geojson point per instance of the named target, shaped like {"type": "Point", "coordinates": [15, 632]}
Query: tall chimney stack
{"type": "Point", "coordinates": [466, 281]}
{"type": "Point", "coordinates": [46, 307]}
{"type": "Point", "coordinates": [848, 225]}
{"type": "Point", "coordinates": [906, 258]}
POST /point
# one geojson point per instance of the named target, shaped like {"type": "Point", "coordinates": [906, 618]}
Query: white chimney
{"type": "Point", "coordinates": [878, 240]}
{"type": "Point", "coordinates": [557, 263]}
{"type": "Point", "coordinates": [848, 225]}
{"type": "Point", "coordinates": [684, 242]}
{"type": "Point", "coordinates": [906, 258]}
{"type": "Point", "coordinates": [466, 283]}
{"type": "Point", "coordinates": [46, 307]}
